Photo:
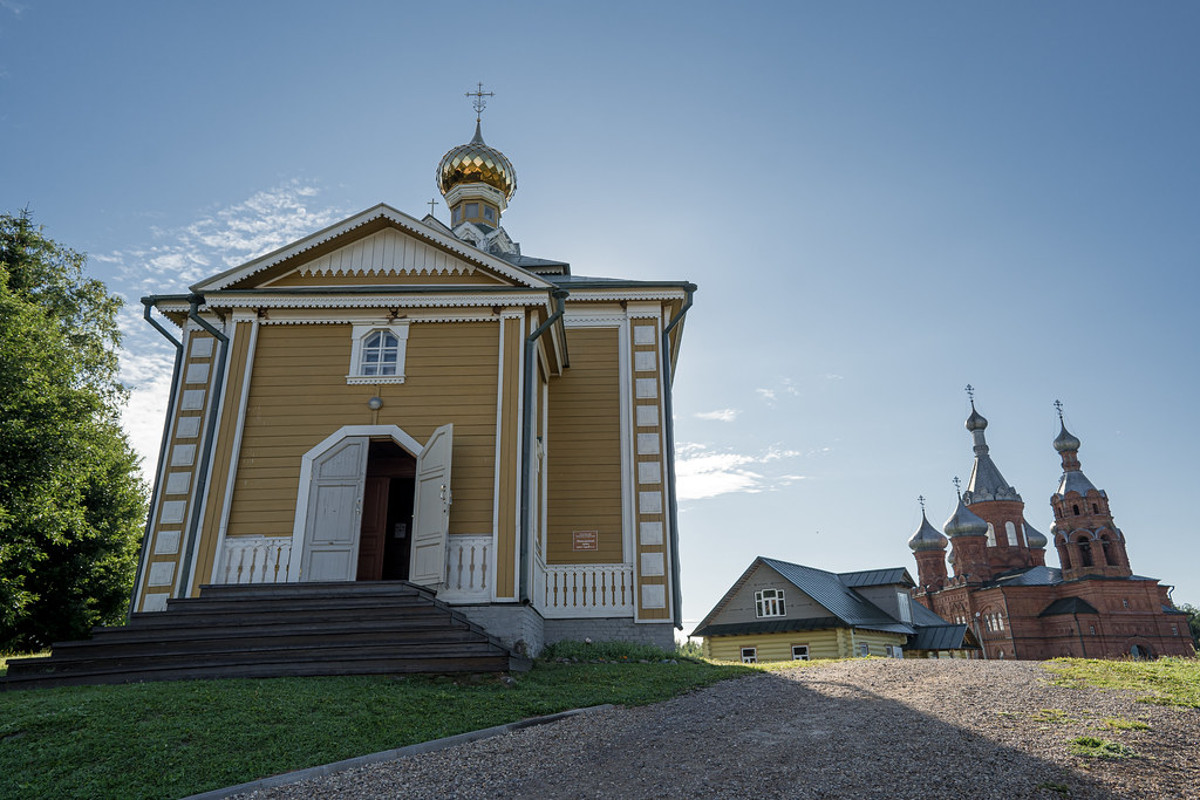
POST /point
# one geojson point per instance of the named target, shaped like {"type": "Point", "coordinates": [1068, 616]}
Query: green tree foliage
{"type": "Point", "coordinates": [71, 500]}
{"type": "Point", "coordinates": [1193, 621]}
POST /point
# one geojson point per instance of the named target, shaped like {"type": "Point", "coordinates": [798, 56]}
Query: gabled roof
{"type": "Point", "coordinates": [845, 606]}
{"type": "Point", "coordinates": [357, 226]}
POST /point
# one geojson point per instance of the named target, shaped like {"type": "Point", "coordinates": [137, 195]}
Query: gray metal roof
{"type": "Point", "coordinates": [877, 577]}
{"type": "Point", "coordinates": [922, 616]}
{"type": "Point", "coordinates": [1075, 481]}
{"type": "Point", "coordinates": [537, 265]}
{"type": "Point", "coordinates": [828, 589]}
{"type": "Point", "coordinates": [1033, 576]}
{"type": "Point", "coordinates": [769, 626]}
{"type": "Point", "coordinates": [939, 637]}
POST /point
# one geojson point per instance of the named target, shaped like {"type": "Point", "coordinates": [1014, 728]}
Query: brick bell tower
{"type": "Point", "coordinates": [1088, 541]}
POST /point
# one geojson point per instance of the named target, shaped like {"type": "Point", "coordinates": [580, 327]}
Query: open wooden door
{"type": "Point", "coordinates": [431, 509]}
{"type": "Point", "coordinates": [334, 512]}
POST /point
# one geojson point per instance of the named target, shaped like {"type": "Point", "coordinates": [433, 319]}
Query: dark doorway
{"type": "Point", "coordinates": [386, 535]}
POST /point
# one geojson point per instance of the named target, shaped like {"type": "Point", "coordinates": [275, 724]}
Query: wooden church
{"type": "Point", "coordinates": [394, 403]}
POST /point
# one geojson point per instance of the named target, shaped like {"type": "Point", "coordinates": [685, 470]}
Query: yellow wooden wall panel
{"type": "Point", "coordinates": [584, 450]}
{"type": "Point", "coordinates": [286, 418]}
{"type": "Point", "coordinates": [774, 646]}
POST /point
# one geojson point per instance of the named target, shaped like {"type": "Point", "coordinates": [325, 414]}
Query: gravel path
{"type": "Point", "coordinates": [862, 729]}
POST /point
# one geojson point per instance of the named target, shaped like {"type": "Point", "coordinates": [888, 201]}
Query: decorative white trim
{"type": "Point", "coordinates": [651, 533]}
{"type": "Point", "coordinates": [192, 400]}
{"type": "Point", "coordinates": [582, 294]}
{"type": "Point", "coordinates": [178, 483]}
{"type": "Point", "coordinates": [381, 211]}
{"type": "Point", "coordinates": [187, 427]}
{"type": "Point", "coordinates": [155, 601]}
{"type": "Point", "coordinates": [408, 443]}
{"type": "Point", "coordinates": [202, 347]}
{"type": "Point", "coordinates": [359, 331]}
{"type": "Point", "coordinates": [586, 590]}
{"type": "Point", "coordinates": [469, 568]}
{"type": "Point", "coordinates": [167, 543]}
{"type": "Point", "coordinates": [654, 595]}
{"type": "Point", "coordinates": [253, 559]}
{"type": "Point", "coordinates": [396, 299]}
{"type": "Point", "coordinates": [645, 335]}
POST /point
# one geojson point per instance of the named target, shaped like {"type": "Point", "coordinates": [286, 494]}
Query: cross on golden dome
{"type": "Point", "coordinates": [479, 104]}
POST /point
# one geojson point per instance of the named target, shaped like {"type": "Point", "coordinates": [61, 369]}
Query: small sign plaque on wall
{"type": "Point", "coordinates": [585, 540]}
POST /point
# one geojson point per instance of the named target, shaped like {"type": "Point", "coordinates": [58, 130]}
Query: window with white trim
{"type": "Point", "coordinates": [377, 352]}
{"type": "Point", "coordinates": [769, 603]}
{"type": "Point", "coordinates": [905, 604]}
{"type": "Point", "coordinates": [894, 651]}
{"type": "Point", "coordinates": [799, 652]}
{"type": "Point", "coordinates": [749, 655]}
{"type": "Point", "coordinates": [864, 649]}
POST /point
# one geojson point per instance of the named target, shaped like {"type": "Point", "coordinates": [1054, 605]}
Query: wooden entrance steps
{"type": "Point", "coordinates": [271, 630]}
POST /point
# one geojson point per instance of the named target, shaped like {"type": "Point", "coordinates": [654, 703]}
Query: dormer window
{"type": "Point", "coordinates": [377, 353]}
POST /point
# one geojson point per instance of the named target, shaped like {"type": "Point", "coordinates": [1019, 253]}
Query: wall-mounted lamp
{"type": "Point", "coordinates": [375, 403]}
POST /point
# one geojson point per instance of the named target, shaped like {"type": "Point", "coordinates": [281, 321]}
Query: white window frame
{"type": "Point", "coordinates": [360, 332]}
{"type": "Point", "coordinates": [749, 655]}
{"type": "Point", "coordinates": [864, 649]}
{"type": "Point", "coordinates": [799, 652]}
{"type": "Point", "coordinates": [904, 602]}
{"type": "Point", "coordinates": [769, 603]}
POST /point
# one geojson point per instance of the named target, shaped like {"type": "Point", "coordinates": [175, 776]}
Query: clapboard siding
{"type": "Point", "coordinates": [299, 396]}
{"type": "Point", "coordinates": [584, 450]}
{"type": "Point", "coordinates": [776, 646]}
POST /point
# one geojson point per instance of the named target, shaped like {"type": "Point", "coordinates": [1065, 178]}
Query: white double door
{"type": "Point", "coordinates": [333, 520]}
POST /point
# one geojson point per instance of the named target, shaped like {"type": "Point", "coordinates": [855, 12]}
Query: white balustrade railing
{"type": "Point", "coordinates": [255, 559]}
{"type": "Point", "coordinates": [585, 590]}
{"type": "Point", "coordinates": [468, 564]}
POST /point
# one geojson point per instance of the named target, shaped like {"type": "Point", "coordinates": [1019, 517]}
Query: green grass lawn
{"type": "Point", "coordinates": [1167, 681]}
{"type": "Point", "coordinates": [168, 740]}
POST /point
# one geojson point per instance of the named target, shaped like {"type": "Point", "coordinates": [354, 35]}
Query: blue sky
{"type": "Point", "coordinates": [880, 203]}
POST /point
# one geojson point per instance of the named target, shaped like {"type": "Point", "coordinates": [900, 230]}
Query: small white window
{"type": "Point", "coordinates": [749, 655]}
{"type": "Point", "coordinates": [864, 649]}
{"type": "Point", "coordinates": [1011, 530]}
{"type": "Point", "coordinates": [489, 213]}
{"type": "Point", "coordinates": [377, 353]}
{"type": "Point", "coordinates": [472, 210]}
{"type": "Point", "coordinates": [991, 535]}
{"type": "Point", "coordinates": [799, 652]}
{"type": "Point", "coordinates": [905, 604]}
{"type": "Point", "coordinates": [894, 651]}
{"type": "Point", "coordinates": [769, 603]}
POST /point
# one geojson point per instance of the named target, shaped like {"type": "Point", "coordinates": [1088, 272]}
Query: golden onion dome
{"type": "Point", "coordinates": [475, 162]}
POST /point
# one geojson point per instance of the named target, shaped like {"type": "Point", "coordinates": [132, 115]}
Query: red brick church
{"type": "Point", "coordinates": [1092, 607]}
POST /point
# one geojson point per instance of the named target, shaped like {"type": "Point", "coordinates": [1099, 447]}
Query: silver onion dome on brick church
{"type": "Point", "coordinates": [964, 522]}
{"type": "Point", "coordinates": [927, 537]}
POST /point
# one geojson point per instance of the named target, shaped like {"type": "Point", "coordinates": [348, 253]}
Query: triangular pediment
{"type": "Point", "coordinates": [379, 247]}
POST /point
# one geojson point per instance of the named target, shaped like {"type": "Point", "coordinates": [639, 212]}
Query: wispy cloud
{"type": "Point", "coordinates": [178, 257]}
{"type": "Point", "coordinates": [719, 415]}
{"type": "Point", "coordinates": [702, 472]}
